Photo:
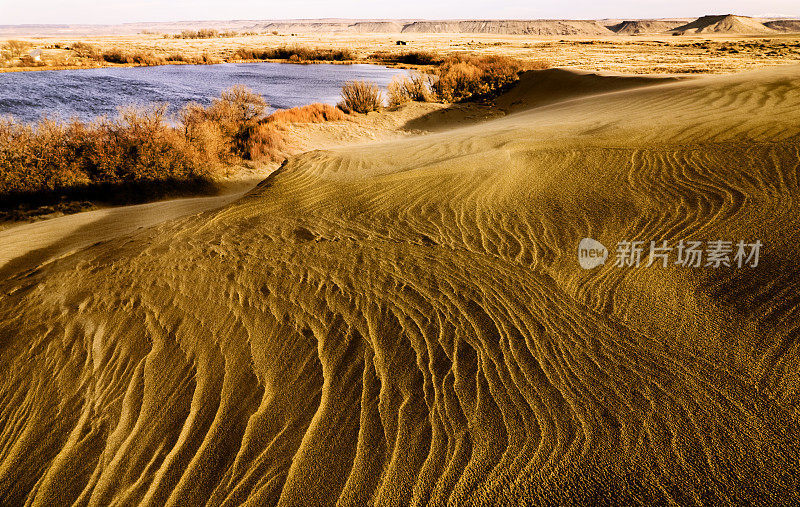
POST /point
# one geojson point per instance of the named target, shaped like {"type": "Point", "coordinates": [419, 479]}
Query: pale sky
{"type": "Point", "coordinates": [120, 11]}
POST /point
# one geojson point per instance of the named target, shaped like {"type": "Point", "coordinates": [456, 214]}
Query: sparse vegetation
{"type": "Point", "coordinates": [408, 58]}
{"type": "Point", "coordinates": [134, 157]}
{"type": "Point", "coordinates": [132, 57]}
{"type": "Point", "coordinates": [312, 113]}
{"type": "Point", "coordinates": [418, 87]}
{"type": "Point", "coordinates": [141, 154]}
{"type": "Point", "coordinates": [17, 48]}
{"type": "Point", "coordinates": [361, 97]}
{"type": "Point", "coordinates": [296, 54]}
{"type": "Point", "coordinates": [461, 78]}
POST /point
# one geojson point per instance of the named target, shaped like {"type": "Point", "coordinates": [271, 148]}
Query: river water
{"type": "Point", "coordinates": [89, 93]}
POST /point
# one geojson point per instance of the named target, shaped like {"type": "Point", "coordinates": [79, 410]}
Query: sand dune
{"type": "Point", "coordinates": [540, 88]}
{"type": "Point", "coordinates": [28, 246]}
{"type": "Point", "coordinates": [406, 322]}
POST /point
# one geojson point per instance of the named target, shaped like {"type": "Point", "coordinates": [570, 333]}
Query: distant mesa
{"type": "Point", "coordinates": [644, 26]}
{"type": "Point", "coordinates": [510, 27]}
{"type": "Point", "coordinates": [377, 27]}
{"type": "Point", "coordinates": [784, 25]}
{"type": "Point", "coordinates": [721, 24]}
{"type": "Point", "coordinates": [728, 23]}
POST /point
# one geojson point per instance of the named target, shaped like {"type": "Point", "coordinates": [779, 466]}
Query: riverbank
{"type": "Point", "coordinates": [645, 54]}
{"type": "Point", "coordinates": [144, 154]}
{"type": "Point", "coordinates": [291, 132]}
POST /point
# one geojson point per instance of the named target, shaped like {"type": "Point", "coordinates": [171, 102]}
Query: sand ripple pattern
{"type": "Point", "coordinates": [406, 323]}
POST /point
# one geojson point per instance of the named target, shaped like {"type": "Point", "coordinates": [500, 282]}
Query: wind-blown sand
{"type": "Point", "coordinates": [406, 322]}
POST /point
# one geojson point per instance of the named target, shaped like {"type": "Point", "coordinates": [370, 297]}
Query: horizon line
{"type": "Point", "coordinates": [353, 19]}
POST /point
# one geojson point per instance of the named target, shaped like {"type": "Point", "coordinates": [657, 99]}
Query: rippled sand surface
{"type": "Point", "coordinates": [406, 322]}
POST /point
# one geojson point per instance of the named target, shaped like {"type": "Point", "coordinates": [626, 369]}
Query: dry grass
{"type": "Point", "coordinates": [296, 54]}
{"type": "Point", "coordinates": [361, 97]}
{"type": "Point", "coordinates": [268, 141]}
{"type": "Point", "coordinates": [462, 78]}
{"type": "Point", "coordinates": [312, 113]}
{"type": "Point", "coordinates": [407, 57]}
{"type": "Point", "coordinates": [135, 57]}
{"type": "Point", "coordinates": [418, 87]}
{"type": "Point", "coordinates": [141, 155]}
{"type": "Point", "coordinates": [135, 157]}
{"type": "Point", "coordinates": [629, 54]}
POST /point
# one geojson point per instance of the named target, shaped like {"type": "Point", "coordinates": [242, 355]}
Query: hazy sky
{"type": "Point", "coordinates": [118, 11]}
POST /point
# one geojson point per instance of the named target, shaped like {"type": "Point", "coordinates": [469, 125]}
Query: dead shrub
{"type": "Point", "coordinates": [360, 97]}
{"type": "Point", "coordinates": [472, 77]}
{"type": "Point", "coordinates": [266, 142]}
{"type": "Point", "coordinates": [138, 155]}
{"type": "Point", "coordinates": [116, 55]}
{"type": "Point", "coordinates": [235, 114]}
{"type": "Point", "coordinates": [408, 57]}
{"type": "Point", "coordinates": [417, 87]}
{"type": "Point", "coordinates": [17, 48]}
{"type": "Point", "coordinates": [85, 50]}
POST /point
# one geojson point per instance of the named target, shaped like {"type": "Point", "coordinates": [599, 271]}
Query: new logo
{"type": "Point", "coordinates": [591, 253]}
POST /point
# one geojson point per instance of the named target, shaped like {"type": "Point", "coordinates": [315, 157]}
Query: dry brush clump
{"type": "Point", "coordinates": [296, 54]}
{"type": "Point", "coordinates": [312, 113]}
{"type": "Point", "coordinates": [141, 154]}
{"type": "Point", "coordinates": [85, 50]}
{"type": "Point", "coordinates": [407, 57]}
{"type": "Point", "coordinates": [197, 34]}
{"type": "Point", "coordinates": [16, 48]}
{"type": "Point", "coordinates": [270, 139]}
{"type": "Point", "coordinates": [416, 87]}
{"type": "Point", "coordinates": [205, 34]}
{"type": "Point", "coordinates": [361, 97]}
{"type": "Point", "coordinates": [461, 78]}
{"type": "Point", "coordinates": [131, 158]}
{"type": "Point", "coordinates": [116, 55]}
{"type": "Point", "coordinates": [137, 156]}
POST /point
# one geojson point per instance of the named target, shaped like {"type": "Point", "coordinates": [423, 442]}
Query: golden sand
{"type": "Point", "coordinates": [405, 321]}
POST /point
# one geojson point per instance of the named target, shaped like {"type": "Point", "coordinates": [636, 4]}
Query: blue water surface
{"type": "Point", "coordinates": [89, 93]}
